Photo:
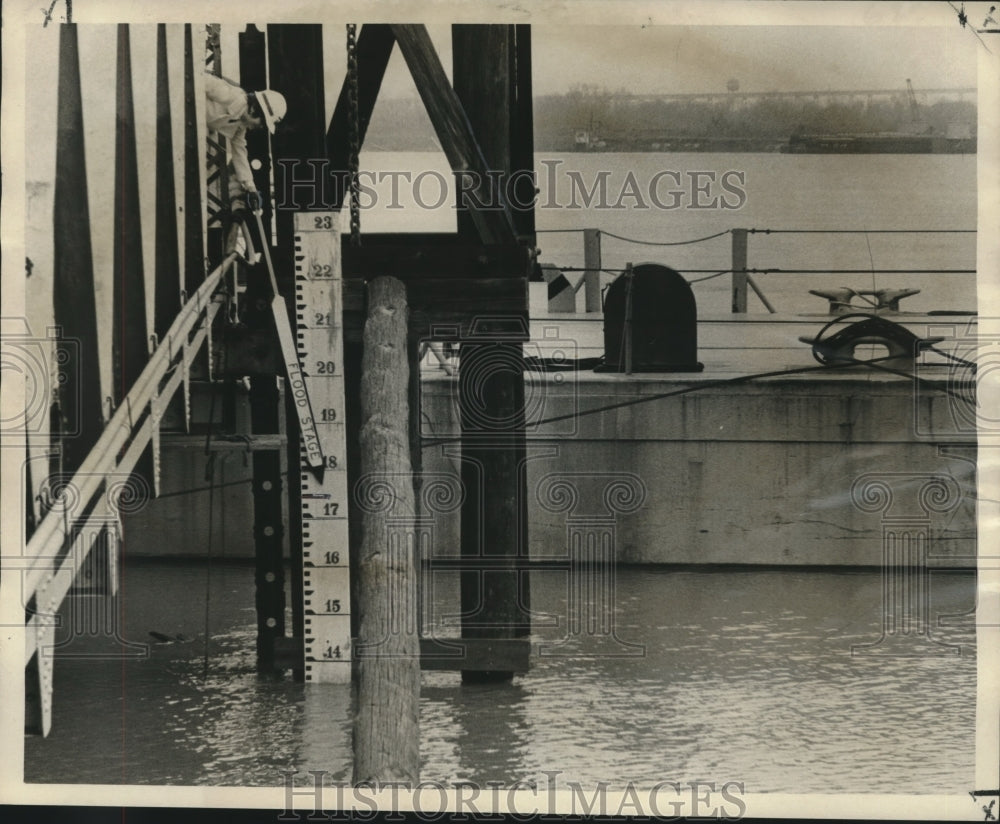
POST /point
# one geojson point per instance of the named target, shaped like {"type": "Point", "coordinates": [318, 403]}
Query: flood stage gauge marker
{"type": "Point", "coordinates": [320, 359]}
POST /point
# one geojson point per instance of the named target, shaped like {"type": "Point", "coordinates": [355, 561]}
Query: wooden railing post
{"type": "Point", "coordinates": [739, 271]}
{"type": "Point", "coordinates": [592, 265]}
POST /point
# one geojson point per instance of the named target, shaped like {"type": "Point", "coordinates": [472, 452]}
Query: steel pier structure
{"type": "Point", "coordinates": [168, 397]}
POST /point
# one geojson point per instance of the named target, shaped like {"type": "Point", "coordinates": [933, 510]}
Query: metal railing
{"type": "Point", "coordinates": [106, 466]}
{"type": "Point", "coordinates": [743, 280]}
{"type": "Point", "coordinates": [53, 554]}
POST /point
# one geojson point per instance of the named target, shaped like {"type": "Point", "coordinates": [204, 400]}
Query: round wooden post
{"type": "Point", "coordinates": [386, 725]}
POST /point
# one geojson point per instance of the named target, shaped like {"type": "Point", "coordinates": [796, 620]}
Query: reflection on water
{"type": "Point", "coordinates": [745, 676]}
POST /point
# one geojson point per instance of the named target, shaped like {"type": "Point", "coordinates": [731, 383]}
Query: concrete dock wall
{"type": "Point", "coordinates": [740, 473]}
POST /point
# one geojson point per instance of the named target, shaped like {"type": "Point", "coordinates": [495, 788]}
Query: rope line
{"type": "Point", "coordinates": [862, 231]}
{"type": "Point", "coordinates": [780, 271]}
{"type": "Point", "coordinates": [665, 242]}
{"type": "Point", "coordinates": [785, 232]}
{"type": "Point", "coordinates": [589, 269]}
{"type": "Point", "coordinates": [708, 385]}
{"type": "Point", "coordinates": [738, 379]}
{"type": "Point", "coordinates": [709, 277]}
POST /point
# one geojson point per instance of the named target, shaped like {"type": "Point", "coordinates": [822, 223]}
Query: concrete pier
{"type": "Point", "coordinates": [754, 471]}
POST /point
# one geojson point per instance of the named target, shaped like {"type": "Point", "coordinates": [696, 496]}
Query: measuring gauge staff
{"type": "Point", "coordinates": [320, 350]}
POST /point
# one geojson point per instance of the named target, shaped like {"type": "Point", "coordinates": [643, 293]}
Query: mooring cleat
{"type": "Point", "coordinates": [888, 299]}
{"type": "Point", "coordinates": [840, 299]}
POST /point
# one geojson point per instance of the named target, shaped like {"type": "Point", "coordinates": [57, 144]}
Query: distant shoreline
{"type": "Point", "coordinates": [592, 121]}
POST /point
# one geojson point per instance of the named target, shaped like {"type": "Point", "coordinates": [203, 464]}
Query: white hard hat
{"type": "Point", "coordinates": [272, 105]}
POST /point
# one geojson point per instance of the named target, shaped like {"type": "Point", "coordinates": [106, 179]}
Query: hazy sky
{"type": "Point", "coordinates": [762, 58]}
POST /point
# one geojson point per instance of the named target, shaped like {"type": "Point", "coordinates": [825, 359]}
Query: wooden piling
{"type": "Point", "coordinates": [386, 725]}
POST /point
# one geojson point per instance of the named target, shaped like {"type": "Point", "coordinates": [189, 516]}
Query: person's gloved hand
{"type": "Point", "coordinates": [255, 202]}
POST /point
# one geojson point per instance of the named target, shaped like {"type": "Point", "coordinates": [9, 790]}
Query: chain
{"type": "Point", "coordinates": [353, 133]}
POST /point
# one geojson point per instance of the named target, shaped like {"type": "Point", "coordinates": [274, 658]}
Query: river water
{"type": "Point", "coordinates": [726, 675]}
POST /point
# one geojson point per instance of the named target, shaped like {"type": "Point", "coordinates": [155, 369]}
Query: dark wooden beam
{"type": "Point", "coordinates": [250, 350]}
{"type": "Point", "coordinates": [129, 333]}
{"type": "Point", "coordinates": [256, 341]}
{"type": "Point", "coordinates": [475, 654]}
{"type": "Point", "coordinates": [521, 189]}
{"type": "Point", "coordinates": [495, 602]}
{"type": "Point", "coordinates": [446, 654]}
{"type": "Point", "coordinates": [129, 339]}
{"type": "Point", "coordinates": [74, 304]}
{"type": "Point", "coordinates": [194, 158]}
{"type": "Point", "coordinates": [295, 61]}
{"type": "Point", "coordinates": [374, 47]}
{"type": "Point", "coordinates": [167, 302]}
{"type": "Point", "coordinates": [410, 256]}
{"type": "Point", "coordinates": [474, 75]}
{"type": "Point", "coordinates": [253, 76]}
{"type": "Point", "coordinates": [493, 223]}
{"type": "Point", "coordinates": [446, 308]}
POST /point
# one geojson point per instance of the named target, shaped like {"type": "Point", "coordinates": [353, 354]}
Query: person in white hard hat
{"type": "Point", "coordinates": [231, 111]}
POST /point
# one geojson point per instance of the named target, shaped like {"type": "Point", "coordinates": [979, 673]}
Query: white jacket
{"type": "Point", "coordinates": [225, 105]}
